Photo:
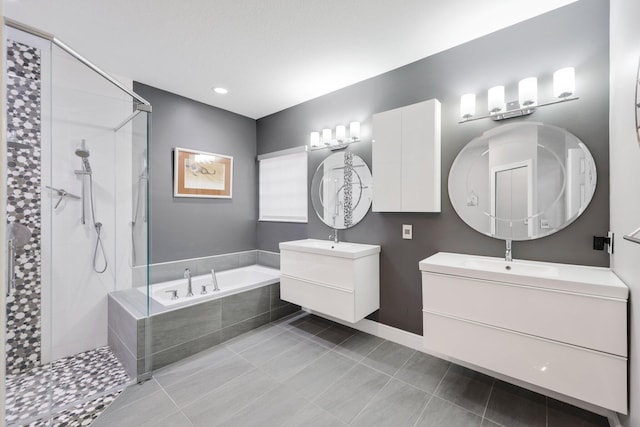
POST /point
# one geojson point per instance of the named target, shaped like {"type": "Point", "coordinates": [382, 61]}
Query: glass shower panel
{"type": "Point", "coordinates": [82, 192]}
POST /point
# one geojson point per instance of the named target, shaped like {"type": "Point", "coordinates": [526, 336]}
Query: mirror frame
{"type": "Point", "coordinates": [364, 196]}
{"type": "Point", "coordinates": [552, 216]}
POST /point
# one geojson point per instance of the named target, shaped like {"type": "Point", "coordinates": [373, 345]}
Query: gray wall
{"type": "Point", "coordinates": [576, 35]}
{"type": "Point", "coordinates": [184, 228]}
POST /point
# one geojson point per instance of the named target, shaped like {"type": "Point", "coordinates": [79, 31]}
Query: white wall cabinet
{"type": "Point", "coordinates": [406, 159]}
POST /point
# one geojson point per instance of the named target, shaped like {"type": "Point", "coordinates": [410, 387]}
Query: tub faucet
{"type": "Point", "coordinates": [215, 281]}
{"type": "Point", "coordinates": [187, 275]}
{"type": "Point", "coordinates": [507, 254]}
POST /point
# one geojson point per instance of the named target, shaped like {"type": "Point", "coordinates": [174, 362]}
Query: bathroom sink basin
{"type": "Point", "coordinates": [564, 277]}
{"type": "Point", "coordinates": [327, 247]}
{"type": "Point", "coordinates": [513, 267]}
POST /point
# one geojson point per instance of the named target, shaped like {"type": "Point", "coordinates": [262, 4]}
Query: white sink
{"type": "Point", "coordinates": [513, 267]}
{"type": "Point", "coordinates": [327, 247]}
{"type": "Point", "coordinates": [575, 278]}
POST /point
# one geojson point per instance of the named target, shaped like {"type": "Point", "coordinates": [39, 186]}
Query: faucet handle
{"type": "Point", "coordinates": [174, 293]}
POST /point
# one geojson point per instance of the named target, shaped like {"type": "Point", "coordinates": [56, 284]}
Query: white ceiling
{"type": "Point", "coordinates": [269, 54]}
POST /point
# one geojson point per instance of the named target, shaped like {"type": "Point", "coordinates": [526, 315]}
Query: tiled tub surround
{"type": "Point", "coordinates": [181, 332]}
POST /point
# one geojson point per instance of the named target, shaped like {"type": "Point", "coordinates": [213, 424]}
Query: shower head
{"type": "Point", "coordinates": [82, 151]}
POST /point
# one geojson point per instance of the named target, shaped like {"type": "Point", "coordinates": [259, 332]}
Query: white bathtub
{"type": "Point", "coordinates": [229, 281]}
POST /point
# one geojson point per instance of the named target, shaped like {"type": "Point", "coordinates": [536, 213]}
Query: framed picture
{"type": "Point", "coordinates": [201, 174]}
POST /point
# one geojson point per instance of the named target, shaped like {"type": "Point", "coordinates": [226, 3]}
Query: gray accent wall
{"type": "Point", "coordinates": [183, 228]}
{"type": "Point", "coordinates": [575, 35]}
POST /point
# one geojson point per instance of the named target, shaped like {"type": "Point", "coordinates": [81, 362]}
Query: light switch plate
{"type": "Point", "coordinates": [407, 231]}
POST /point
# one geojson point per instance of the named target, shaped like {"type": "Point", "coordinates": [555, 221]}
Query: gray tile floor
{"type": "Point", "coordinates": [307, 371]}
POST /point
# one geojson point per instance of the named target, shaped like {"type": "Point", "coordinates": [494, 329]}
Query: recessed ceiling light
{"type": "Point", "coordinates": [220, 90]}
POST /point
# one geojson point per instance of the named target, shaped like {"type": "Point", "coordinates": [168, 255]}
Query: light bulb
{"type": "Point", "coordinates": [354, 131]}
{"type": "Point", "coordinates": [315, 139]}
{"type": "Point", "coordinates": [528, 92]}
{"type": "Point", "coordinates": [495, 101]}
{"type": "Point", "coordinates": [564, 82]}
{"type": "Point", "coordinates": [341, 133]}
{"type": "Point", "coordinates": [326, 136]}
{"type": "Point", "coordinates": [468, 105]}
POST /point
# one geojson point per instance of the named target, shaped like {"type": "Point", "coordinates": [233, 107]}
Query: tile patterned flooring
{"type": "Point", "coordinates": [83, 386]}
{"type": "Point", "coordinates": [306, 371]}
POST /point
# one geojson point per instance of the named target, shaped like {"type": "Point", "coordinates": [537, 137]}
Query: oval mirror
{"type": "Point", "coordinates": [341, 190]}
{"type": "Point", "coordinates": [522, 181]}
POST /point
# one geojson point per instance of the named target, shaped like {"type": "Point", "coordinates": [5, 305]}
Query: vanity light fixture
{"type": "Point", "coordinates": [564, 87]}
{"type": "Point", "coordinates": [326, 139]}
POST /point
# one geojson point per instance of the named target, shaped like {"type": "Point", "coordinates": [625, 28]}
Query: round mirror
{"type": "Point", "coordinates": [522, 181]}
{"type": "Point", "coordinates": [341, 190]}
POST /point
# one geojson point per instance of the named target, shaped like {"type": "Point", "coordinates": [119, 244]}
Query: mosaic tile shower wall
{"type": "Point", "coordinates": [23, 203]}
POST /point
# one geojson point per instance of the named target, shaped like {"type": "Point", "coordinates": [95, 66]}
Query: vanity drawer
{"type": "Point", "coordinates": [598, 323]}
{"type": "Point", "coordinates": [594, 377]}
{"type": "Point", "coordinates": [336, 302]}
{"type": "Point", "coordinates": [334, 271]}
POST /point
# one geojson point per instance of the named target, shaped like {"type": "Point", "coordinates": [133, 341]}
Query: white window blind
{"type": "Point", "coordinates": [283, 188]}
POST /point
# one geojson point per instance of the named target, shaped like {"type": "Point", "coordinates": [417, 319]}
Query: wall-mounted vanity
{"type": "Point", "coordinates": [339, 279]}
{"type": "Point", "coordinates": [559, 327]}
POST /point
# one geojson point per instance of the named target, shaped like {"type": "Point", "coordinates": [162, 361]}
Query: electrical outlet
{"type": "Point", "coordinates": [407, 231]}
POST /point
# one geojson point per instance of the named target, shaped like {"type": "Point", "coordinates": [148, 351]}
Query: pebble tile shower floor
{"type": "Point", "coordinates": [306, 371]}
{"type": "Point", "coordinates": [83, 386]}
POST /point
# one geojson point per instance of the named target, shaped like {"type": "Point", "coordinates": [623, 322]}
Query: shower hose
{"type": "Point", "coordinates": [98, 228]}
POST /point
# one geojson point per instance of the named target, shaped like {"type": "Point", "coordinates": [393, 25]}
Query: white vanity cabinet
{"type": "Point", "coordinates": [559, 327]}
{"type": "Point", "coordinates": [406, 159]}
{"type": "Point", "coordinates": [341, 280]}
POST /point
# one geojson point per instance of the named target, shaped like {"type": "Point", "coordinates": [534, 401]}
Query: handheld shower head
{"type": "Point", "coordinates": [83, 153]}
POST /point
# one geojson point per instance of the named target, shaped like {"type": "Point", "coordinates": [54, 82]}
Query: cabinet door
{"type": "Point", "coordinates": [406, 159]}
{"type": "Point", "coordinates": [421, 157]}
{"type": "Point", "coordinates": [387, 161]}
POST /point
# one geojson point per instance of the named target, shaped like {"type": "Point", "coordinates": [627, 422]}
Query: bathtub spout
{"type": "Point", "coordinates": [215, 281]}
{"type": "Point", "coordinates": [187, 275]}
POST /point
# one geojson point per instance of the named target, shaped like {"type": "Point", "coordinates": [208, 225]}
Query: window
{"type": "Point", "coordinates": [283, 186]}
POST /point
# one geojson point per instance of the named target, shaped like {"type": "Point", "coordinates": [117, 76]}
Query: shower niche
{"type": "Point", "coordinates": [76, 158]}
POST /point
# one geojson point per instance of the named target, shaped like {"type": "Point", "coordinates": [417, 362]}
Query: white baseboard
{"type": "Point", "coordinates": [415, 342]}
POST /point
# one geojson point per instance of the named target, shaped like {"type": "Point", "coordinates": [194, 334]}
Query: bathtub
{"type": "Point", "coordinates": [229, 281]}
{"type": "Point", "coordinates": [148, 335]}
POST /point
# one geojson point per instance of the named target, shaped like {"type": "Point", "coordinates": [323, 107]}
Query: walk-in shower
{"type": "Point", "coordinates": [76, 227]}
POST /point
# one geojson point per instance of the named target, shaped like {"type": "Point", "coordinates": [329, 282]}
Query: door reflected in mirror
{"type": "Point", "coordinates": [522, 181]}
{"type": "Point", "coordinates": [341, 190]}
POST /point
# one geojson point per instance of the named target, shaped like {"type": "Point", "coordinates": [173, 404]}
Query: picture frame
{"type": "Point", "coordinates": [202, 174]}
